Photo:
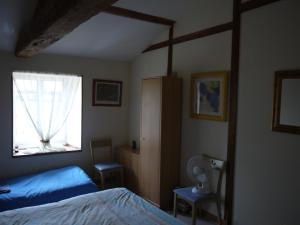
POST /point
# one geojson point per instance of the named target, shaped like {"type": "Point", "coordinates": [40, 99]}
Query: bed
{"type": "Point", "coordinates": [45, 187]}
{"type": "Point", "coordinates": [114, 206]}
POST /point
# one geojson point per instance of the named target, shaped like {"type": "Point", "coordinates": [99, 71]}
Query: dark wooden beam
{"type": "Point", "coordinates": [55, 18]}
{"type": "Point", "coordinates": [159, 45]}
{"type": "Point", "coordinates": [204, 33]}
{"type": "Point", "coordinates": [170, 52]}
{"type": "Point", "coordinates": [192, 36]}
{"type": "Point", "coordinates": [253, 4]}
{"type": "Point", "coordinates": [246, 6]}
{"type": "Point", "coordinates": [138, 15]}
{"type": "Point", "coordinates": [233, 111]}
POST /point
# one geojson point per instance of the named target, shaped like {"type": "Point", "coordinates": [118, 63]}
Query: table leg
{"type": "Point", "coordinates": [175, 206]}
{"type": "Point", "coordinates": [194, 214]}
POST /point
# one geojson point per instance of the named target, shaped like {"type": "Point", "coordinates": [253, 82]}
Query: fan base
{"type": "Point", "coordinates": [196, 190]}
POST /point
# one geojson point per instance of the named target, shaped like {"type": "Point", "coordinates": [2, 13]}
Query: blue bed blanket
{"type": "Point", "coordinates": [110, 207]}
{"type": "Point", "coordinates": [45, 187]}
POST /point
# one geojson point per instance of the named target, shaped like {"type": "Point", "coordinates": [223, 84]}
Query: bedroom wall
{"type": "Point", "coordinates": [267, 183]}
{"type": "Point", "coordinates": [267, 180]}
{"type": "Point", "coordinates": [96, 121]}
{"type": "Point", "coordinates": [208, 54]}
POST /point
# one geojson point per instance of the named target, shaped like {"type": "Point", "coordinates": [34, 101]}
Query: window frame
{"type": "Point", "coordinates": [12, 113]}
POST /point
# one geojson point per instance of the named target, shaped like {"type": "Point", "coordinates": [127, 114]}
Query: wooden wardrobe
{"type": "Point", "coordinates": [160, 139]}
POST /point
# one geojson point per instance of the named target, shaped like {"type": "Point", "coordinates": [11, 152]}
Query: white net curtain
{"type": "Point", "coordinates": [47, 100]}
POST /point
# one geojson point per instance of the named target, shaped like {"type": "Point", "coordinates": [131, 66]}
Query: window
{"type": "Point", "coordinates": [46, 113]}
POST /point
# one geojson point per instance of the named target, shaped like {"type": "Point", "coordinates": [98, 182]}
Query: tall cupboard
{"type": "Point", "coordinates": [160, 138]}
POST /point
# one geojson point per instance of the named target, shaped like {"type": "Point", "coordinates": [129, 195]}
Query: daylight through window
{"type": "Point", "coordinates": [46, 113]}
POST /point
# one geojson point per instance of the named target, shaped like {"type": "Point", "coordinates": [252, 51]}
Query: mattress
{"type": "Point", "coordinates": [116, 206]}
{"type": "Point", "coordinates": [45, 187]}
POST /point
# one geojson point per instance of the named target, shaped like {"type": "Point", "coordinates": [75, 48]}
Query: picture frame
{"type": "Point", "coordinates": [107, 93]}
{"type": "Point", "coordinates": [209, 92]}
{"type": "Point", "coordinates": [286, 102]}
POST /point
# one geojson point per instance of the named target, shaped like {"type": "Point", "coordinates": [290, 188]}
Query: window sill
{"type": "Point", "coordinates": [43, 151]}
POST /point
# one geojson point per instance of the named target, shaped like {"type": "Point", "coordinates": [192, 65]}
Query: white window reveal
{"type": "Point", "coordinates": [46, 113]}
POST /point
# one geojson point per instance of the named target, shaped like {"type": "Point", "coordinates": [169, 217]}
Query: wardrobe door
{"type": "Point", "coordinates": [150, 139]}
{"type": "Point", "coordinates": [170, 139]}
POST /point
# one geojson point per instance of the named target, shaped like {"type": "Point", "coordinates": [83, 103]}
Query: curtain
{"type": "Point", "coordinates": [48, 100]}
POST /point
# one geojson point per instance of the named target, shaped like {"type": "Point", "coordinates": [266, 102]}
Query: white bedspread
{"type": "Point", "coordinates": [116, 206]}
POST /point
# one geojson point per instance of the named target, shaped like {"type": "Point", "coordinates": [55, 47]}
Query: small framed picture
{"type": "Point", "coordinates": [107, 93]}
{"type": "Point", "coordinates": [209, 95]}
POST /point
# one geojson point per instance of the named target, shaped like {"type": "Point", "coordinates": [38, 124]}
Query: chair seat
{"type": "Point", "coordinates": [187, 194]}
{"type": "Point", "coordinates": [101, 167]}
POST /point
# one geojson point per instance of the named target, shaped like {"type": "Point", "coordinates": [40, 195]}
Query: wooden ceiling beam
{"type": "Point", "coordinates": [53, 19]}
{"type": "Point", "coordinates": [138, 16]}
{"type": "Point", "coordinates": [170, 52]}
{"type": "Point", "coordinates": [191, 36]}
{"type": "Point", "coordinates": [253, 4]}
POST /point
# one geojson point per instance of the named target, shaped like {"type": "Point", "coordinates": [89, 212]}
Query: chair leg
{"type": "Point", "coordinates": [200, 211]}
{"type": "Point", "coordinates": [175, 206]}
{"type": "Point", "coordinates": [122, 177]}
{"type": "Point", "coordinates": [194, 214]}
{"type": "Point", "coordinates": [218, 202]}
{"type": "Point", "coordinates": [94, 175]}
{"type": "Point", "coordinates": [102, 180]}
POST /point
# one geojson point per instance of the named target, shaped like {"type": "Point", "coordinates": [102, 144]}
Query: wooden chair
{"type": "Point", "coordinates": [105, 168]}
{"type": "Point", "coordinates": [195, 200]}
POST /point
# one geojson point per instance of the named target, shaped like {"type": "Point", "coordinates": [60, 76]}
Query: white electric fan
{"type": "Point", "coordinates": [198, 170]}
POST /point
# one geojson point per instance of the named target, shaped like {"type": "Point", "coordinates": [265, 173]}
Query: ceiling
{"type": "Point", "coordinates": [103, 36]}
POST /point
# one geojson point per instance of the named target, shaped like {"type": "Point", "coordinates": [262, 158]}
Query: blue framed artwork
{"type": "Point", "coordinates": [209, 95]}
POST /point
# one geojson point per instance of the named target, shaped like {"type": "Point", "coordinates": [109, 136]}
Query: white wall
{"type": "Point", "coordinates": [201, 136]}
{"type": "Point", "coordinates": [208, 54]}
{"type": "Point", "coordinates": [96, 121]}
{"type": "Point", "coordinates": [267, 181]}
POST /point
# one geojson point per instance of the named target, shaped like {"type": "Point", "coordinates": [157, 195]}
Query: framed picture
{"type": "Point", "coordinates": [286, 107]}
{"type": "Point", "coordinates": [107, 93]}
{"type": "Point", "coordinates": [209, 95]}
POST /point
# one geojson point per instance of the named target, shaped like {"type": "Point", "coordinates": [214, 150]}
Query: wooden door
{"type": "Point", "coordinates": [150, 139]}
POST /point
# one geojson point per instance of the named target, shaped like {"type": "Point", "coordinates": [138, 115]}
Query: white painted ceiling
{"type": "Point", "coordinates": [14, 14]}
{"type": "Point", "coordinates": [103, 36]}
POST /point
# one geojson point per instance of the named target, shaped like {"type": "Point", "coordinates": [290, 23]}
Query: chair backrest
{"type": "Point", "coordinates": [219, 166]}
{"type": "Point", "coordinates": [99, 146]}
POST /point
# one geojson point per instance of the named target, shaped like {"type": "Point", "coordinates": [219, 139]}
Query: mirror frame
{"type": "Point", "coordinates": [279, 77]}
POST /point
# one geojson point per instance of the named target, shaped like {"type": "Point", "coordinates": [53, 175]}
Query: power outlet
{"type": "Point", "coordinates": [216, 163]}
